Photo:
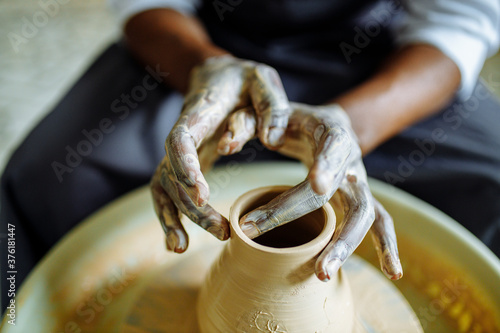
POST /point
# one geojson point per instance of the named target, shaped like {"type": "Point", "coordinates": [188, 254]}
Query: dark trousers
{"type": "Point", "coordinates": [107, 135]}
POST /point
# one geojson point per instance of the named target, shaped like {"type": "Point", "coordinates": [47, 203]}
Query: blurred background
{"type": "Point", "coordinates": [39, 63]}
{"type": "Point", "coordinates": [37, 66]}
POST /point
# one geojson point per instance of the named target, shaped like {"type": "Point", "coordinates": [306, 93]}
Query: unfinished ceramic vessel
{"type": "Point", "coordinates": [268, 284]}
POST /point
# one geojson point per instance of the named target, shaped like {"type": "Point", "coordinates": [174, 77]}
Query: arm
{"type": "Point", "coordinates": [415, 82]}
{"type": "Point", "coordinates": [443, 47]}
{"type": "Point", "coordinates": [153, 34]}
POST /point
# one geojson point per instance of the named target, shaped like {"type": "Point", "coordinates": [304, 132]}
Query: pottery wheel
{"type": "Point", "coordinates": [168, 302]}
{"type": "Point", "coordinates": [113, 274]}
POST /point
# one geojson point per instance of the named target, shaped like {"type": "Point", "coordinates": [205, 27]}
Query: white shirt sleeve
{"type": "Point", "coordinates": [467, 31]}
{"type": "Point", "coordinates": [125, 9]}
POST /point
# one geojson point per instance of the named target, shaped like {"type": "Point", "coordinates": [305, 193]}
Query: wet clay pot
{"type": "Point", "coordinates": [268, 284]}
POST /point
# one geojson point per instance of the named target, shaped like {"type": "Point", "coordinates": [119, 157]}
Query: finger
{"type": "Point", "coordinates": [384, 238]}
{"type": "Point", "coordinates": [241, 126]}
{"type": "Point", "coordinates": [282, 209]}
{"type": "Point", "coordinates": [185, 166]}
{"type": "Point", "coordinates": [176, 237]}
{"type": "Point", "coordinates": [357, 221]}
{"type": "Point", "coordinates": [205, 216]}
{"type": "Point", "coordinates": [202, 115]}
{"type": "Point", "coordinates": [208, 150]}
{"type": "Point", "coordinates": [330, 162]}
{"type": "Point", "coordinates": [208, 155]}
{"type": "Point", "coordinates": [271, 106]}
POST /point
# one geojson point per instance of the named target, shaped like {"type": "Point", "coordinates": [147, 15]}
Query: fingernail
{"type": "Point", "coordinates": [198, 191]}
{"type": "Point", "coordinates": [202, 194]}
{"type": "Point", "coordinates": [173, 243]}
{"type": "Point", "coordinates": [224, 145]}
{"type": "Point", "coordinates": [202, 201]}
{"type": "Point", "coordinates": [321, 184]}
{"type": "Point", "coordinates": [194, 194]}
{"type": "Point", "coordinates": [323, 276]}
{"type": "Point", "coordinates": [218, 232]}
{"type": "Point", "coordinates": [223, 149]}
{"type": "Point", "coordinates": [321, 178]}
{"type": "Point", "coordinates": [250, 230]}
{"type": "Point", "coordinates": [396, 271]}
{"type": "Point", "coordinates": [333, 267]}
{"type": "Point", "coordinates": [276, 136]}
{"type": "Point", "coordinates": [399, 271]}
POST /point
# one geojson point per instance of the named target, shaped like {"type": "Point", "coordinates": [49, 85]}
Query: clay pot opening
{"type": "Point", "coordinates": [296, 233]}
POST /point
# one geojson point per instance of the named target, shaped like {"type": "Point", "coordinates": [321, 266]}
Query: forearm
{"type": "Point", "coordinates": [171, 40]}
{"type": "Point", "coordinates": [414, 83]}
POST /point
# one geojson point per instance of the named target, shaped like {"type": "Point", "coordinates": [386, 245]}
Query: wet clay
{"type": "Point", "coordinates": [268, 285]}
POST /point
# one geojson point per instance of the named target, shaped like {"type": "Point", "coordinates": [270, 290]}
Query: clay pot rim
{"type": "Point", "coordinates": [319, 241]}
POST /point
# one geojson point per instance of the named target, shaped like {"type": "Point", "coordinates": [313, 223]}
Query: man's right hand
{"type": "Point", "coordinates": [218, 86]}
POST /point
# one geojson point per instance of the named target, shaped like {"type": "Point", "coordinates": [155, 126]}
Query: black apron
{"type": "Point", "coordinates": [320, 47]}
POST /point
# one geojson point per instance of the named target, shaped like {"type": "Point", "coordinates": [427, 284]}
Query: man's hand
{"type": "Point", "coordinates": [322, 138]}
{"type": "Point", "coordinates": [217, 87]}
{"type": "Point", "coordinates": [228, 103]}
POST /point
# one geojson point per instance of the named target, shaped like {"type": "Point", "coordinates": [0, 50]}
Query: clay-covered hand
{"type": "Point", "coordinates": [322, 138]}
{"type": "Point", "coordinates": [217, 87]}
